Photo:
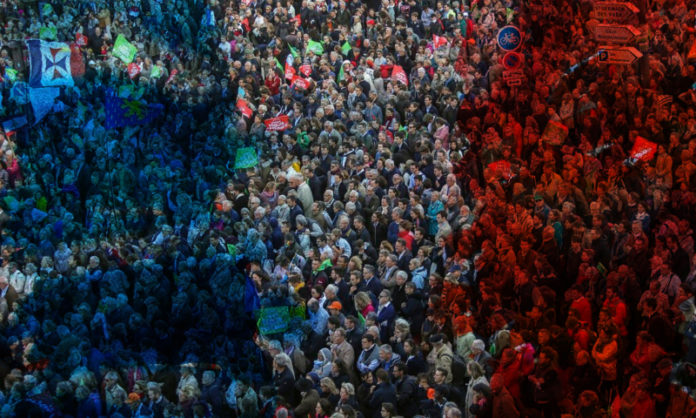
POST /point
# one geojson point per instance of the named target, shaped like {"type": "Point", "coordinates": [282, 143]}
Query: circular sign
{"type": "Point", "coordinates": [512, 61]}
{"type": "Point", "coordinates": [509, 38]}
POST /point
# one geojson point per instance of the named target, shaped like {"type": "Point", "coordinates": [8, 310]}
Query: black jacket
{"type": "Point", "coordinates": [384, 392]}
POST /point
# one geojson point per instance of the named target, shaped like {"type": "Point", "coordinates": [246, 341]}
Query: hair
{"type": "Point", "coordinates": [382, 375]}
{"type": "Point", "coordinates": [362, 299]}
{"type": "Point", "coordinates": [475, 370]}
{"type": "Point", "coordinates": [329, 383]}
{"type": "Point", "coordinates": [284, 360]}
{"type": "Point", "coordinates": [350, 389]}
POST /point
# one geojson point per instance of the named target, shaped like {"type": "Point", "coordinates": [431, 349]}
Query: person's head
{"type": "Point", "coordinates": [388, 410]}
{"type": "Point", "coordinates": [440, 376]}
{"type": "Point", "coordinates": [382, 376]}
{"type": "Point", "coordinates": [367, 341]}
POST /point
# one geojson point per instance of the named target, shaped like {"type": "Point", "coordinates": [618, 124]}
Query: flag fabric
{"type": "Point", "coordinates": [246, 157]}
{"type": "Point", "coordinates": [45, 9]}
{"type": "Point", "coordinates": [14, 123]}
{"type": "Point", "coordinates": [273, 320]}
{"type": "Point", "coordinates": [243, 107]}
{"type": "Point", "coordinates": [124, 50]}
{"type": "Point", "coordinates": [439, 41]}
{"type": "Point", "coordinates": [19, 93]}
{"type": "Point", "coordinates": [643, 150]}
{"type": "Point", "coordinates": [289, 72]}
{"type": "Point", "coordinates": [300, 82]}
{"type": "Point", "coordinates": [52, 64]}
{"type": "Point", "coordinates": [48, 33]}
{"type": "Point", "coordinates": [294, 52]}
{"type": "Point", "coordinates": [81, 40]}
{"type": "Point", "coordinates": [156, 72]}
{"type": "Point", "coordinates": [208, 17]}
{"type": "Point", "coordinates": [276, 124]}
{"type": "Point", "coordinates": [278, 64]}
{"type": "Point", "coordinates": [503, 167]}
{"type": "Point", "coordinates": [306, 70]}
{"type": "Point", "coordinates": [398, 74]}
{"type": "Point", "coordinates": [555, 133]}
{"type": "Point", "coordinates": [315, 47]}
{"type": "Point", "coordinates": [11, 74]}
{"type": "Point", "coordinates": [42, 101]}
{"type": "Point", "coordinates": [133, 70]}
{"type": "Point", "coordinates": [345, 48]}
{"type": "Point", "coordinates": [171, 76]}
{"type": "Point", "coordinates": [122, 112]}
{"type": "Point", "coordinates": [692, 53]}
{"type": "Point", "coordinates": [341, 75]}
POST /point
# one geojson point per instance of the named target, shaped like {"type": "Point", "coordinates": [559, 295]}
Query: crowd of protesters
{"type": "Point", "coordinates": [425, 278]}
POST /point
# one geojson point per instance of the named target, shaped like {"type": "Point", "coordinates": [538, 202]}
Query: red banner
{"type": "Point", "coordinates": [503, 167]}
{"type": "Point", "coordinates": [289, 72]}
{"type": "Point", "coordinates": [300, 82]}
{"type": "Point", "coordinates": [643, 150]}
{"type": "Point", "coordinates": [399, 75]}
{"type": "Point", "coordinates": [277, 124]}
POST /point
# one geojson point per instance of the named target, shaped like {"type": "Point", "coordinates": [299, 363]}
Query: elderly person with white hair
{"type": "Point", "coordinates": [304, 192]}
{"type": "Point", "coordinates": [481, 356]}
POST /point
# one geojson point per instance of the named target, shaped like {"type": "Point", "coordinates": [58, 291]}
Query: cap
{"type": "Point", "coordinates": [335, 305]}
{"type": "Point", "coordinates": [435, 338]}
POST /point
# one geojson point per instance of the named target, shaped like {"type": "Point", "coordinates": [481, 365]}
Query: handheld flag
{"type": "Point", "coordinates": [306, 70]}
{"type": "Point", "coordinates": [48, 33]}
{"type": "Point", "coordinates": [643, 150]}
{"type": "Point", "coordinates": [11, 74]}
{"type": "Point", "coordinates": [133, 70]}
{"type": "Point", "coordinates": [156, 72]}
{"type": "Point", "coordinates": [439, 41]}
{"type": "Point", "coordinates": [246, 157]}
{"type": "Point", "coordinates": [42, 101]}
{"type": "Point", "coordinates": [124, 50]}
{"type": "Point", "coordinates": [81, 40]}
{"type": "Point", "coordinates": [289, 71]}
{"type": "Point", "coordinates": [315, 47]}
{"type": "Point", "coordinates": [294, 52]}
{"type": "Point", "coordinates": [345, 48]}
{"type": "Point", "coordinates": [243, 107]}
{"type": "Point", "coordinates": [122, 112]}
{"type": "Point", "coordinates": [52, 64]}
{"type": "Point", "coordinates": [300, 82]}
{"type": "Point", "coordinates": [399, 75]}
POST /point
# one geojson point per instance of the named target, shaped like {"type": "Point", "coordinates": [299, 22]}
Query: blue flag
{"type": "Point", "coordinates": [19, 93]}
{"type": "Point", "coordinates": [52, 64]}
{"type": "Point", "coordinates": [42, 101]}
{"type": "Point", "coordinates": [122, 112]}
{"type": "Point", "coordinates": [14, 123]}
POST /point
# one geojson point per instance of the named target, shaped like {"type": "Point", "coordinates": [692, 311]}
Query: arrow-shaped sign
{"type": "Point", "coordinates": [617, 12]}
{"type": "Point", "coordinates": [621, 34]}
{"type": "Point", "coordinates": [623, 55]}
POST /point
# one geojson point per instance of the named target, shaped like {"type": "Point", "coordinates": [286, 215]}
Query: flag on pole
{"type": "Point", "coordinates": [300, 82]}
{"type": "Point", "coordinates": [341, 74]}
{"type": "Point", "coordinates": [156, 72]}
{"type": "Point", "coordinates": [439, 41]}
{"type": "Point", "coordinates": [306, 70]}
{"type": "Point", "coordinates": [133, 70]}
{"type": "Point", "coordinates": [122, 112]}
{"type": "Point", "coordinates": [289, 71]}
{"type": "Point", "coordinates": [399, 75]}
{"type": "Point", "coordinates": [278, 64]}
{"type": "Point", "coordinates": [246, 157]}
{"type": "Point", "coordinates": [243, 107]}
{"type": "Point", "coordinates": [48, 33]}
{"type": "Point", "coordinates": [42, 101]}
{"type": "Point", "coordinates": [294, 52]}
{"type": "Point", "coordinates": [643, 150]}
{"type": "Point", "coordinates": [81, 40]}
{"type": "Point", "coordinates": [53, 64]}
{"type": "Point", "coordinates": [345, 48]}
{"type": "Point", "coordinates": [11, 74]}
{"type": "Point", "coordinates": [314, 47]}
{"type": "Point", "coordinates": [124, 50]}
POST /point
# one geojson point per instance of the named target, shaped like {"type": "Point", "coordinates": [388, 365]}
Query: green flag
{"type": "Point", "coordinates": [341, 75]}
{"type": "Point", "coordinates": [11, 74]}
{"type": "Point", "coordinates": [315, 47]}
{"type": "Point", "coordinates": [246, 158]}
{"type": "Point", "coordinates": [48, 33]}
{"type": "Point", "coordinates": [124, 50]}
{"type": "Point", "coordinates": [293, 51]}
{"type": "Point", "coordinates": [156, 72]}
{"type": "Point", "coordinates": [279, 65]}
{"type": "Point", "coordinates": [345, 48]}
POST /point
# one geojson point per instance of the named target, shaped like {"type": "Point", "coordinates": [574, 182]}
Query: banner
{"type": "Point", "coordinates": [289, 72]}
{"type": "Point", "coordinates": [503, 167]}
{"type": "Point", "coordinates": [81, 40]}
{"type": "Point", "coordinates": [346, 48]}
{"type": "Point", "coordinates": [300, 82]}
{"type": "Point", "coordinates": [277, 124]}
{"type": "Point", "coordinates": [133, 70]}
{"type": "Point", "coordinates": [315, 47]}
{"type": "Point", "coordinates": [273, 320]}
{"type": "Point", "coordinates": [306, 70]}
{"type": "Point", "coordinates": [124, 50]}
{"type": "Point", "coordinates": [439, 41]}
{"type": "Point", "coordinates": [122, 112]}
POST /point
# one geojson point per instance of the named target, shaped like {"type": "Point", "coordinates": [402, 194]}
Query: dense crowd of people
{"type": "Point", "coordinates": [414, 241]}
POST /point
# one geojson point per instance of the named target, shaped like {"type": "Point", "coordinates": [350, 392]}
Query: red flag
{"type": "Point", "coordinates": [133, 70]}
{"type": "Point", "coordinates": [77, 64]}
{"type": "Point", "coordinates": [298, 19]}
{"type": "Point", "coordinates": [81, 39]}
{"type": "Point", "coordinates": [643, 150]}
{"type": "Point", "coordinates": [502, 166]}
{"type": "Point", "coordinates": [243, 107]}
{"type": "Point", "coordinates": [300, 82]}
{"type": "Point", "coordinates": [439, 41]}
{"type": "Point", "coordinates": [289, 72]}
{"type": "Point", "coordinates": [306, 69]}
{"type": "Point", "coordinates": [171, 76]}
{"type": "Point", "coordinates": [279, 123]}
{"type": "Point", "coordinates": [398, 74]}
